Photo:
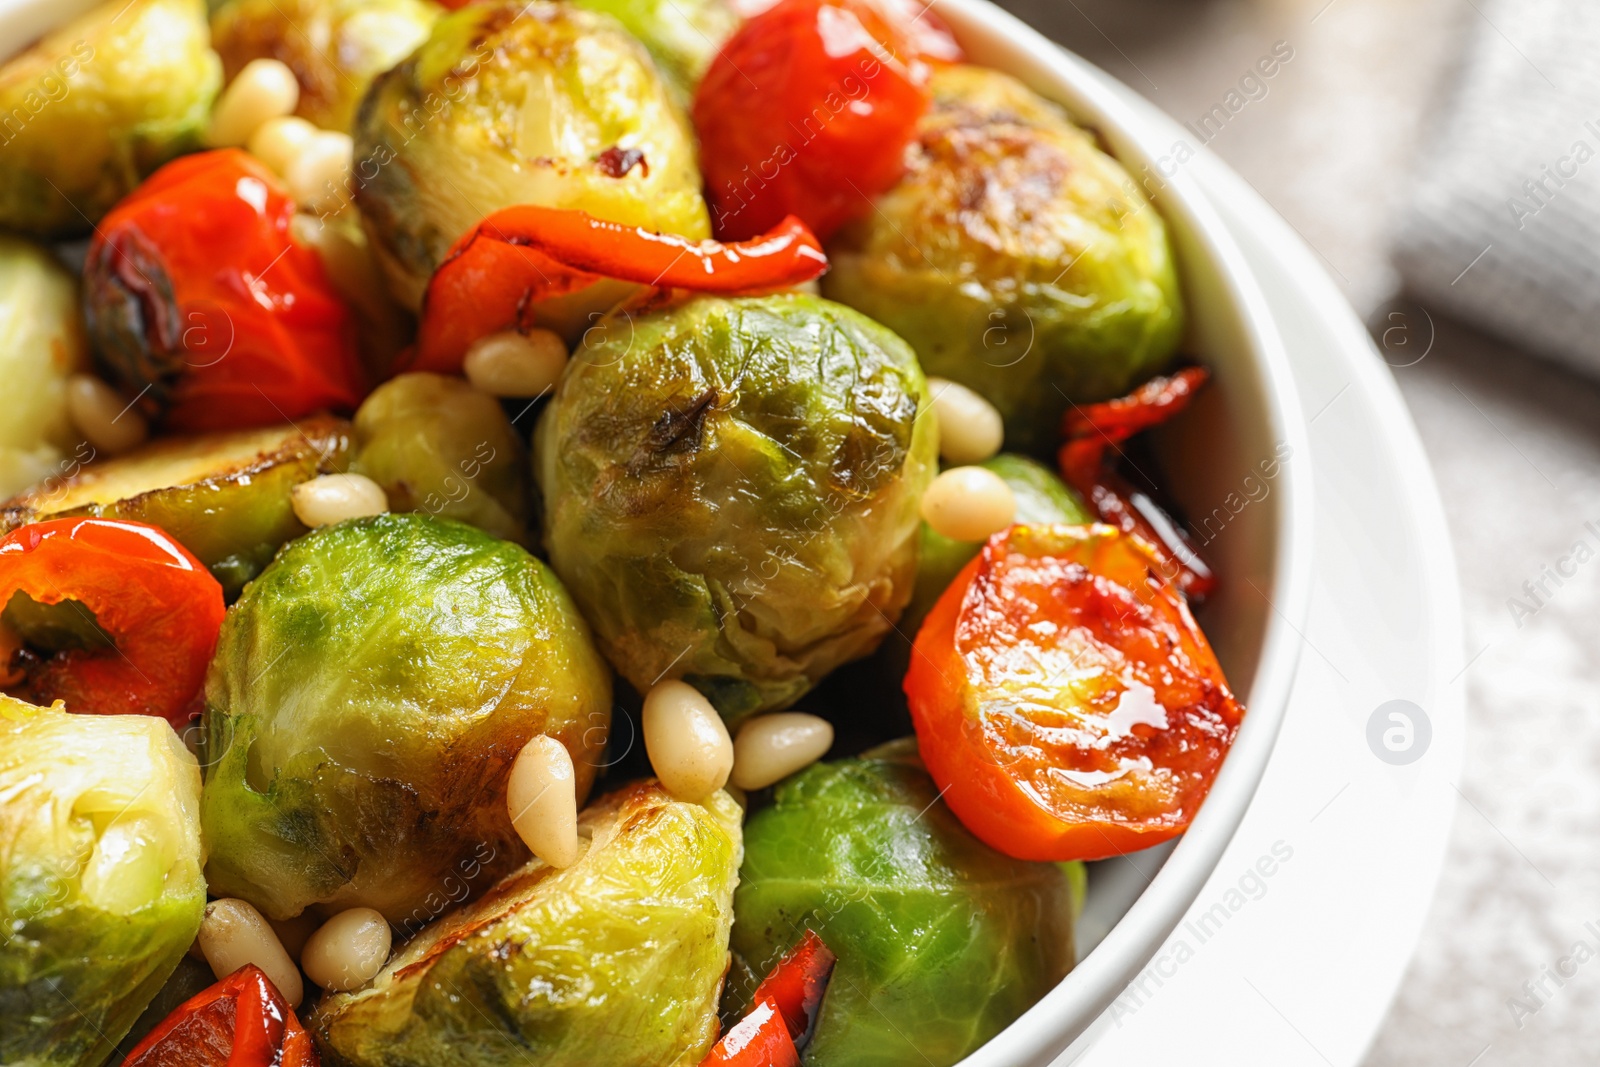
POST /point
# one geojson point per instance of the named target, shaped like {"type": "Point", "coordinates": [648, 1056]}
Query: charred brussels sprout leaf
{"type": "Point", "coordinates": [511, 103]}
{"type": "Point", "coordinates": [334, 47]}
{"type": "Point", "coordinates": [683, 36]}
{"type": "Point", "coordinates": [1016, 257]}
{"type": "Point", "coordinates": [1041, 497]}
{"type": "Point", "coordinates": [97, 105]}
{"type": "Point", "coordinates": [41, 344]}
{"type": "Point", "coordinates": [368, 696]}
{"type": "Point", "coordinates": [223, 496]}
{"type": "Point", "coordinates": [100, 888]}
{"type": "Point", "coordinates": [942, 941]}
{"type": "Point", "coordinates": [439, 446]}
{"type": "Point", "coordinates": [731, 491]}
{"type": "Point", "coordinates": [616, 960]}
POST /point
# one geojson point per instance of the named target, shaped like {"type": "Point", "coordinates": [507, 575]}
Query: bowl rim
{"type": "Point", "coordinates": [1068, 1011]}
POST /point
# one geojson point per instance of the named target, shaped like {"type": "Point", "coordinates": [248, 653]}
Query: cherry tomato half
{"type": "Point", "coordinates": [807, 111]}
{"type": "Point", "coordinates": [242, 1021]}
{"type": "Point", "coordinates": [1065, 698]}
{"type": "Point", "coordinates": [160, 606]}
{"type": "Point", "coordinates": [200, 303]}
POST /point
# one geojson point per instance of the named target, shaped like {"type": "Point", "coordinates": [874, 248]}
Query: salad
{"type": "Point", "coordinates": [588, 532]}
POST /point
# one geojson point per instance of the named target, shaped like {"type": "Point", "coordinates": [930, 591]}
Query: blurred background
{"type": "Point", "coordinates": [1367, 111]}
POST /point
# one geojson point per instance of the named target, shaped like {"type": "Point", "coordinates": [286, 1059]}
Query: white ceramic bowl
{"type": "Point", "coordinates": [1263, 553]}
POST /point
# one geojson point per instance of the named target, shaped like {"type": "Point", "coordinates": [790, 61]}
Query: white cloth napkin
{"type": "Point", "coordinates": [1502, 227]}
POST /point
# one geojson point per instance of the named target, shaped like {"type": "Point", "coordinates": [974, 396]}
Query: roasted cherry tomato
{"type": "Point", "coordinates": [242, 1021]}
{"type": "Point", "coordinates": [200, 303]}
{"type": "Point", "coordinates": [807, 111]}
{"type": "Point", "coordinates": [159, 605]}
{"type": "Point", "coordinates": [1065, 698]}
{"type": "Point", "coordinates": [493, 275]}
{"type": "Point", "coordinates": [1088, 463]}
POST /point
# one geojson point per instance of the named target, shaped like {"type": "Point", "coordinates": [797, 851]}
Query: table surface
{"type": "Point", "coordinates": [1502, 974]}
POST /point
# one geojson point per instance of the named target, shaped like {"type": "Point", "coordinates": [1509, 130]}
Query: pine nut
{"type": "Point", "coordinates": [968, 504]}
{"type": "Point", "coordinates": [542, 797]}
{"type": "Point", "coordinates": [233, 933]}
{"type": "Point", "coordinates": [278, 142]}
{"type": "Point", "coordinates": [347, 950]}
{"type": "Point", "coordinates": [771, 747]}
{"type": "Point", "coordinates": [319, 180]}
{"type": "Point", "coordinates": [332, 498]}
{"type": "Point", "coordinates": [264, 89]}
{"type": "Point", "coordinates": [108, 422]}
{"type": "Point", "coordinates": [686, 740]}
{"type": "Point", "coordinates": [516, 365]}
{"type": "Point", "coordinates": [970, 428]}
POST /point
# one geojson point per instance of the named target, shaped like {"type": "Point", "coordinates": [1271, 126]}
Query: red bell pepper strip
{"type": "Point", "coordinates": [493, 275]}
{"type": "Point", "coordinates": [242, 1021]}
{"type": "Point", "coordinates": [797, 983]}
{"type": "Point", "coordinates": [1093, 432]}
{"type": "Point", "coordinates": [159, 605]}
{"type": "Point", "coordinates": [787, 1003]}
{"type": "Point", "coordinates": [760, 1039]}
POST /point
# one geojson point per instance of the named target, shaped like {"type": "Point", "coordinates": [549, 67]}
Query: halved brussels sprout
{"type": "Point", "coordinates": [683, 36]}
{"type": "Point", "coordinates": [518, 103]}
{"type": "Point", "coordinates": [334, 47]}
{"type": "Point", "coordinates": [616, 960]}
{"type": "Point", "coordinates": [224, 496]}
{"type": "Point", "coordinates": [1015, 256]}
{"type": "Point", "coordinates": [941, 940]}
{"type": "Point", "coordinates": [41, 345]}
{"type": "Point", "coordinates": [439, 446]}
{"type": "Point", "coordinates": [100, 888]}
{"type": "Point", "coordinates": [97, 105]}
{"type": "Point", "coordinates": [369, 693]}
{"type": "Point", "coordinates": [731, 490]}
{"type": "Point", "coordinates": [1041, 497]}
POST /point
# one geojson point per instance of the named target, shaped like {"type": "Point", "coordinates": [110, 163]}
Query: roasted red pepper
{"type": "Point", "coordinates": [159, 605]}
{"type": "Point", "coordinates": [1065, 700]}
{"type": "Point", "coordinates": [201, 304]}
{"type": "Point", "coordinates": [797, 983]}
{"type": "Point", "coordinates": [807, 111]}
{"type": "Point", "coordinates": [491, 278]}
{"type": "Point", "coordinates": [787, 1003]}
{"type": "Point", "coordinates": [241, 1021]}
{"type": "Point", "coordinates": [1087, 461]}
{"type": "Point", "coordinates": [760, 1039]}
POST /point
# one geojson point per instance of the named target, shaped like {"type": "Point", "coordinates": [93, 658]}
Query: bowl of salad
{"type": "Point", "coordinates": [638, 532]}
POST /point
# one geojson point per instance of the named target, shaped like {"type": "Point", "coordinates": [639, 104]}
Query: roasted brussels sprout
{"type": "Point", "coordinates": [1041, 497]}
{"type": "Point", "coordinates": [942, 941]}
{"type": "Point", "coordinates": [683, 36]}
{"type": "Point", "coordinates": [1015, 256]}
{"type": "Point", "coordinates": [511, 103]}
{"type": "Point", "coordinates": [100, 888]}
{"type": "Point", "coordinates": [223, 496]}
{"type": "Point", "coordinates": [334, 47]}
{"type": "Point", "coordinates": [615, 960]}
{"type": "Point", "coordinates": [439, 446]}
{"type": "Point", "coordinates": [41, 344]}
{"type": "Point", "coordinates": [98, 104]}
{"type": "Point", "coordinates": [368, 696]}
{"type": "Point", "coordinates": [731, 491]}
